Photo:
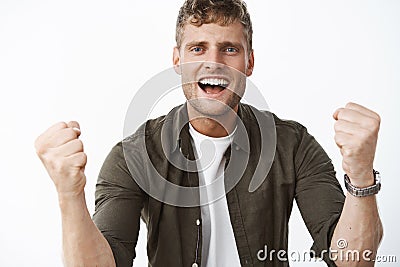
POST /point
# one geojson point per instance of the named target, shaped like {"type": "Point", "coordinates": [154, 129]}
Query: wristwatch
{"type": "Point", "coordinates": [366, 191]}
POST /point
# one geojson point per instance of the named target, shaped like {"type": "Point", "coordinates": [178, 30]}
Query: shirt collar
{"type": "Point", "coordinates": [176, 130]}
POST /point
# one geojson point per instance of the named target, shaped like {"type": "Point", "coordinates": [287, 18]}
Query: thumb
{"type": "Point", "coordinates": [335, 115]}
{"type": "Point", "coordinates": [75, 126]}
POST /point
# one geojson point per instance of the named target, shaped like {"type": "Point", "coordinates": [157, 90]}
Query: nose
{"type": "Point", "coordinates": [213, 60]}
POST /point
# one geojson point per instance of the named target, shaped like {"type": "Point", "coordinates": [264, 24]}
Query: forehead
{"type": "Point", "coordinates": [212, 32]}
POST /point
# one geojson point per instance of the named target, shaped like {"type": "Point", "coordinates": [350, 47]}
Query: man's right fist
{"type": "Point", "coordinates": [62, 154]}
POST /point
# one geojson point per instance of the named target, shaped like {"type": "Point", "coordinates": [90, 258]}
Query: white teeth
{"type": "Point", "coordinates": [214, 81]}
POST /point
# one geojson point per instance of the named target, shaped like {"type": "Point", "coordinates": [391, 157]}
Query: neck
{"type": "Point", "coordinates": [213, 126]}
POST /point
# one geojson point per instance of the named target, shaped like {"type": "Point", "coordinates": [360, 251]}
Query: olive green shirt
{"type": "Point", "coordinates": [300, 170]}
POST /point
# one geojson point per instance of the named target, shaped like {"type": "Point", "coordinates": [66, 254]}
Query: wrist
{"type": "Point", "coordinates": [67, 200]}
{"type": "Point", "coordinates": [362, 179]}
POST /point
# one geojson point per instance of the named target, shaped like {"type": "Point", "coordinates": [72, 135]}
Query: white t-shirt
{"type": "Point", "coordinates": [219, 245]}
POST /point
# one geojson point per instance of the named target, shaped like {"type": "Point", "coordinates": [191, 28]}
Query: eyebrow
{"type": "Point", "coordinates": [196, 43]}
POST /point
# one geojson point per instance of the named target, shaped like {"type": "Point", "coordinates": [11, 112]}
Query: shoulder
{"type": "Point", "coordinates": [152, 127]}
{"type": "Point", "coordinates": [286, 127]}
{"type": "Point", "coordinates": [283, 127]}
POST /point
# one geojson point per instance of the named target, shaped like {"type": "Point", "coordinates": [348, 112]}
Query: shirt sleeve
{"type": "Point", "coordinates": [119, 202]}
{"type": "Point", "coordinates": [318, 194]}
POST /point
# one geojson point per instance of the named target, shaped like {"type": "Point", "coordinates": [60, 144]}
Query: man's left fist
{"type": "Point", "coordinates": [356, 134]}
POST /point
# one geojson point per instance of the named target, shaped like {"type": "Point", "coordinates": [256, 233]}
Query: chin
{"type": "Point", "coordinates": [211, 107]}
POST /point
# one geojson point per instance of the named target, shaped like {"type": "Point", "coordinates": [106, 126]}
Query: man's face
{"type": "Point", "coordinates": [215, 79]}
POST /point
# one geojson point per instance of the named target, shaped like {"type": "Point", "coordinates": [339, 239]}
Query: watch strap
{"type": "Point", "coordinates": [365, 191]}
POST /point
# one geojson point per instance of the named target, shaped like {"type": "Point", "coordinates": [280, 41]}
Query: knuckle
{"type": "Point", "coordinates": [61, 124]}
{"type": "Point", "coordinates": [81, 158]}
{"type": "Point", "coordinates": [341, 111]}
{"type": "Point", "coordinates": [84, 157]}
{"type": "Point", "coordinates": [40, 149]}
{"type": "Point", "coordinates": [337, 138]}
{"type": "Point", "coordinates": [377, 124]}
{"type": "Point", "coordinates": [70, 133]}
{"type": "Point", "coordinates": [349, 105]}
{"type": "Point", "coordinates": [341, 126]}
{"type": "Point", "coordinates": [40, 145]}
{"type": "Point", "coordinates": [336, 125]}
{"type": "Point", "coordinates": [73, 124]}
{"type": "Point", "coordinates": [43, 151]}
{"type": "Point", "coordinates": [78, 144]}
{"type": "Point", "coordinates": [372, 125]}
{"type": "Point", "coordinates": [46, 160]}
{"type": "Point", "coordinates": [378, 118]}
{"type": "Point", "coordinates": [57, 165]}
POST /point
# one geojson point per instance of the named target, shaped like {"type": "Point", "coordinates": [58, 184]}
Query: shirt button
{"type": "Point", "coordinates": [197, 223]}
{"type": "Point", "coordinates": [237, 148]}
{"type": "Point", "coordinates": [195, 265]}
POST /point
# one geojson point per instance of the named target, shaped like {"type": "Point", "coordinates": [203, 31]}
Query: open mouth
{"type": "Point", "coordinates": [213, 85]}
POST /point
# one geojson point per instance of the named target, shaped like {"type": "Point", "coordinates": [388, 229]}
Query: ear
{"type": "Point", "coordinates": [176, 60]}
{"type": "Point", "coordinates": [250, 64]}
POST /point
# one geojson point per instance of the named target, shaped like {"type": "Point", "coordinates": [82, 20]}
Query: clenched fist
{"type": "Point", "coordinates": [356, 134]}
{"type": "Point", "coordinates": [62, 154]}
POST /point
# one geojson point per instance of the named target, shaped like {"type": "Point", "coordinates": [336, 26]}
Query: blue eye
{"type": "Point", "coordinates": [231, 50]}
{"type": "Point", "coordinates": [197, 49]}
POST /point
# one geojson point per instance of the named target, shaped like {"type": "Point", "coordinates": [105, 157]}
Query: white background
{"type": "Point", "coordinates": [84, 61]}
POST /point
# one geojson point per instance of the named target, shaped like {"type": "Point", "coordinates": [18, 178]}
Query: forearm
{"type": "Point", "coordinates": [361, 228]}
{"type": "Point", "coordinates": [356, 134]}
{"type": "Point", "coordinates": [83, 243]}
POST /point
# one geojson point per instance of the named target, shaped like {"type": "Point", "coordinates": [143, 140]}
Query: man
{"type": "Point", "coordinates": [214, 55]}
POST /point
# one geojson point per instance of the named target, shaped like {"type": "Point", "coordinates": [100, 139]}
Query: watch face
{"type": "Point", "coordinates": [377, 176]}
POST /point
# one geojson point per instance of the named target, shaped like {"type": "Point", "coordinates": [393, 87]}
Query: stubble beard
{"type": "Point", "coordinates": [210, 108]}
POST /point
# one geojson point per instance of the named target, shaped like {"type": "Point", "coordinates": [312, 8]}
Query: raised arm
{"type": "Point", "coordinates": [62, 154]}
{"type": "Point", "coordinates": [359, 231]}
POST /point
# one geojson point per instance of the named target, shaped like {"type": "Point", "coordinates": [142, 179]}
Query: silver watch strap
{"type": "Point", "coordinates": [366, 191]}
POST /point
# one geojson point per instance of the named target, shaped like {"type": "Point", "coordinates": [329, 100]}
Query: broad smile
{"type": "Point", "coordinates": [213, 86]}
